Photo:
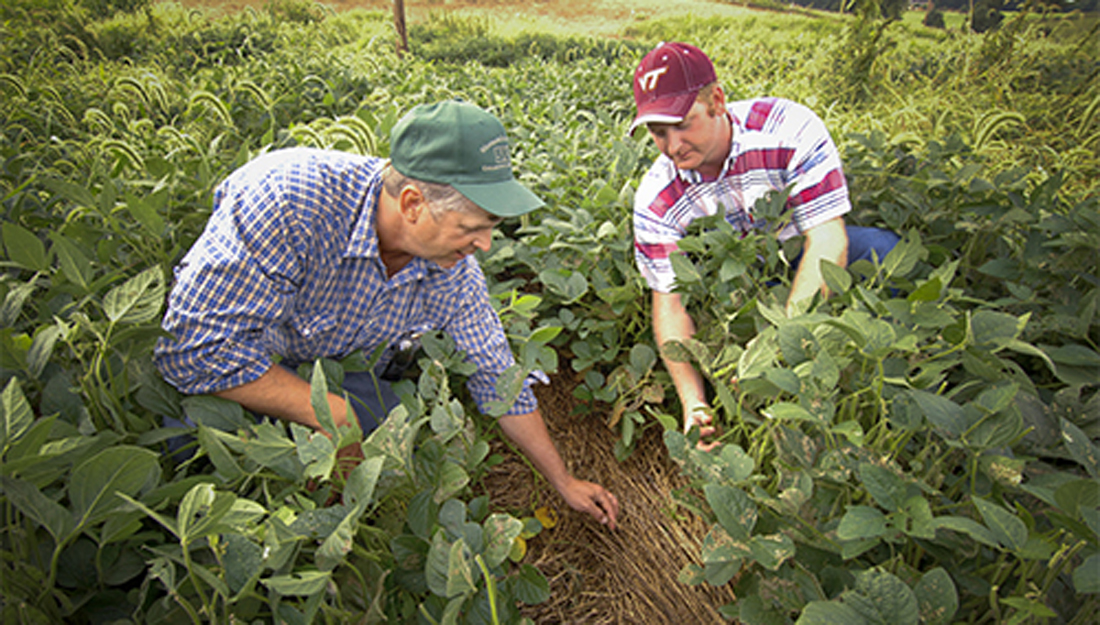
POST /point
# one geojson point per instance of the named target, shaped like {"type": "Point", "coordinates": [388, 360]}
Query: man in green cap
{"type": "Point", "coordinates": [316, 254]}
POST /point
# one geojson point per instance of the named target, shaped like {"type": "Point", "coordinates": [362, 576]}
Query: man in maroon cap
{"type": "Point", "coordinates": [730, 154]}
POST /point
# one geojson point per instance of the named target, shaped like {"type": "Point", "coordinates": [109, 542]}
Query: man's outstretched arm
{"type": "Point", "coordinates": [528, 432]}
{"type": "Point", "coordinates": [280, 393]}
{"type": "Point", "coordinates": [671, 322]}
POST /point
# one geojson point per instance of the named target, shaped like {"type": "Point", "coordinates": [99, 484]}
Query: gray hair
{"type": "Point", "coordinates": [442, 198]}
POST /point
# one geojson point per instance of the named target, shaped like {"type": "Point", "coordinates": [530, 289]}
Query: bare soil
{"type": "Point", "coordinates": [596, 575]}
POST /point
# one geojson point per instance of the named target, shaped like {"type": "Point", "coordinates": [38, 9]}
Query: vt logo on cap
{"type": "Point", "coordinates": [667, 81]}
{"type": "Point", "coordinates": [457, 143]}
{"type": "Point", "coordinates": [648, 81]}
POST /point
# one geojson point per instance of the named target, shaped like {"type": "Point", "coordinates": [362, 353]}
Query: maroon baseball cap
{"type": "Point", "coordinates": [667, 81]}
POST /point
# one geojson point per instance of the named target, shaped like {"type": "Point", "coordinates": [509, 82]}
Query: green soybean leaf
{"type": "Point", "coordinates": [145, 212]}
{"type": "Point", "coordinates": [124, 469]}
{"type": "Point", "coordinates": [299, 583]}
{"type": "Point", "coordinates": [460, 576]}
{"type": "Point", "coordinates": [929, 291]}
{"type": "Point", "coordinates": [736, 512]}
{"type": "Point", "coordinates": [887, 488]}
{"type": "Point", "coordinates": [1086, 577]}
{"type": "Point", "coordinates": [74, 263]}
{"type": "Point", "coordinates": [836, 277]}
{"type": "Point", "coordinates": [994, 330]}
{"type": "Point", "coordinates": [243, 561]}
{"type": "Point", "coordinates": [1076, 496]}
{"type": "Point", "coordinates": [830, 613]}
{"type": "Point", "coordinates": [1009, 530]}
{"type": "Point", "coordinates": [941, 411]}
{"type": "Point", "coordinates": [201, 511]}
{"type": "Point", "coordinates": [861, 522]}
{"type": "Point", "coordinates": [215, 412]}
{"type": "Point", "coordinates": [338, 544]}
{"type": "Point", "coordinates": [786, 411]}
{"type": "Point", "coordinates": [967, 526]}
{"type": "Point", "coordinates": [435, 569]}
{"type": "Point", "coordinates": [41, 509]}
{"type": "Point", "coordinates": [1083, 450]}
{"type": "Point", "coordinates": [315, 451]}
{"type": "Point", "coordinates": [219, 455]}
{"type": "Point", "coordinates": [15, 414]}
{"type": "Point", "coordinates": [890, 596]}
{"type": "Point", "coordinates": [545, 334]}
{"type": "Point", "coordinates": [318, 398]}
{"type": "Point", "coordinates": [362, 481]}
{"type": "Point", "coordinates": [422, 512]}
{"type": "Point", "coordinates": [642, 358]}
{"type": "Point", "coordinates": [530, 587]}
{"type": "Point", "coordinates": [138, 300]}
{"type": "Point", "coordinates": [569, 285]}
{"type": "Point", "coordinates": [937, 597]}
{"type": "Point", "coordinates": [24, 248]}
{"type": "Point", "coordinates": [501, 531]}
{"type": "Point", "coordinates": [684, 269]}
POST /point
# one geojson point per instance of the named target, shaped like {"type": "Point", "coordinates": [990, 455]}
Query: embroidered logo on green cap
{"type": "Point", "coordinates": [459, 144]}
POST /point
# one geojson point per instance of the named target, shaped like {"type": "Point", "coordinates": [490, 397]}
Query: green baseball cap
{"type": "Point", "coordinates": [459, 144]}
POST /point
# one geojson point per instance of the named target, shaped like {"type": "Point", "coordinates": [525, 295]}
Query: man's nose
{"type": "Point", "coordinates": [673, 141]}
{"type": "Point", "coordinates": [484, 240]}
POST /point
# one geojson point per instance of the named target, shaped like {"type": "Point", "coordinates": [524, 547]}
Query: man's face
{"type": "Point", "coordinates": [697, 142]}
{"type": "Point", "coordinates": [453, 235]}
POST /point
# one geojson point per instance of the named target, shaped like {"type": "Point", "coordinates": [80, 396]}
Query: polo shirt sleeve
{"type": "Point", "coordinates": [656, 232]}
{"type": "Point", "coordinates": [477, 330]}
{"type": "Point", "coordinates": [819, 192]}
{"type": "Point", "coordinates": [239, 277]}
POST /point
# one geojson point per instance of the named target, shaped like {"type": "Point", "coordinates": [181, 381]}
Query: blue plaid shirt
{"type": "Point", "coordinates": [289, 265]}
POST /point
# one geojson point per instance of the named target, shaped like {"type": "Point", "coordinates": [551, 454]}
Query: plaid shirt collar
{"type": "Point", "coordinates": [363, 243]}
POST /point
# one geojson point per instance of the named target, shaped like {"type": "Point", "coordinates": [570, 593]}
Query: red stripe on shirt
{"type": "Point", "coordinates": [833, 180]}
{"type": "Point", "coordinates": [656, 251]}
{"type": "Point", "coordinates": [758, 114]}
{"type": "Point", "coordinates": [773, 158]}
{"type": "Point", "coordinates": [668, 197]}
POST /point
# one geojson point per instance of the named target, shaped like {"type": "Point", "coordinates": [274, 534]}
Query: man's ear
{"type": "Point", "coordinates": [411, 202]}
{"type": "Point", "coordinates": [719, 98]}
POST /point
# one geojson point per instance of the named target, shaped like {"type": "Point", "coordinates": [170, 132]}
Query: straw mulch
{"type": "Point", "coordinates": [597, 575]}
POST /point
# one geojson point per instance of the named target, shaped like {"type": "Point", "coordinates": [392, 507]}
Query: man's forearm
{"type": "Point", "coordinates": [671, 322]}
{"type": "Point", "coordinates": [282, 394]}
{"type": "Point", "coordinates": [528, 432]}
{"type": "Point", "coordinates": [827, 241]}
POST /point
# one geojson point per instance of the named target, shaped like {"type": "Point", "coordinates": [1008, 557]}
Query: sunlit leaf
{"type": "Point", "coordinates": [138, 300]}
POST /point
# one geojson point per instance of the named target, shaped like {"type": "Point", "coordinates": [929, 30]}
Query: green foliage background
{"type": "Point", "coordinates": [925, 438]}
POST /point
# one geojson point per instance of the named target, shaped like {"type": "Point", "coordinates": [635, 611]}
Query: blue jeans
{"type": "Point", "coordinates": [862, 242]}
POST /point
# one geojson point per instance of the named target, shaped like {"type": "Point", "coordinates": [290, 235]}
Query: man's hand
{"type": "Point", "coordinates": [701, 418]}
{"type": "Point", "coordinates": [593, 500]}
{"type": "Point", "coordinates": [528, 432]}
{"type": "Point", "coordinates": [347, 459]}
